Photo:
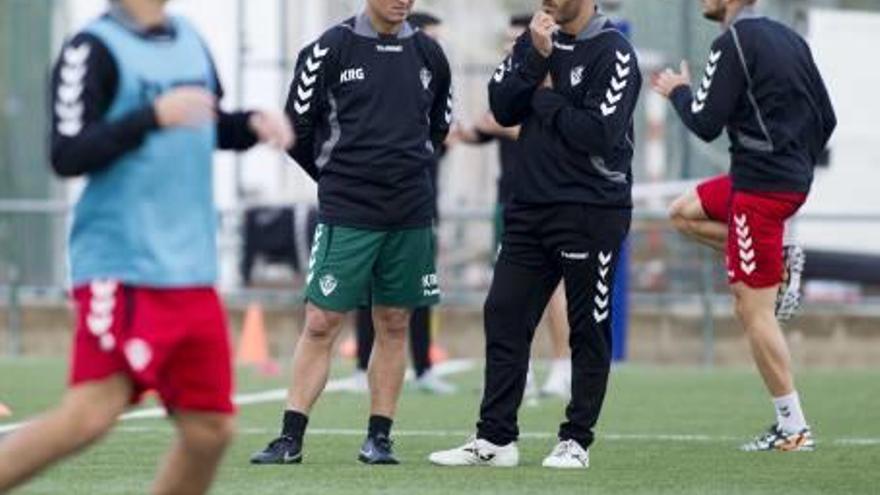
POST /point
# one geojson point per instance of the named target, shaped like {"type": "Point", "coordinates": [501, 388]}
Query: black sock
{"type": "Point", "coordinates": [380, 425]}
{"type": "Point", "coordinates": [420, 340]}
{"type": "Point", "coordinates": [365, 333]}
{"type": "Point", "coordinates": [294, 424]}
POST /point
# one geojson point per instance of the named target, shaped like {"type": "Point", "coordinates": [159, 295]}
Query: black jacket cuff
{"type": "Point", "coordinates": [681, 96]}
{"type": "Point", "coordinates": [535, 68]}
{"type": "Point", "coordinates": [234, 131]}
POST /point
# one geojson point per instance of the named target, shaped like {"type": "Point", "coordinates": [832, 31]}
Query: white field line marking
{"type": "Point", "coordinates": [612, 437]}
{"type": "Point", "coordinates": [345, 432]}
{"type": "Point", "coordinates": [447, 368]}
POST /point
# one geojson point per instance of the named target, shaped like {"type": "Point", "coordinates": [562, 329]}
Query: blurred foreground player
{"type": "Point", "coordinates": [762, 84]}
{"type": "Point", "coordinates": [135, 111]}
{"type": "Point", "coordinates": [371, 103]}
{"type": "Point", "coordinates": [572, 82]}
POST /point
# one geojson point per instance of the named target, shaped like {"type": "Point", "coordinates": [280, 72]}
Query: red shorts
{"type": "Point", "coordinates": [173, 341]}
{"type": "Point", "coordinates": [756, 225]}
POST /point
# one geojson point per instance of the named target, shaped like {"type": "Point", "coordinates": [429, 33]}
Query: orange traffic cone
{"type": "Point", "coordinates": [437, 354]}
{"type": "Point", "coordinates": [348, 349]}
{"type": "Point", "coordinates": [253, 346]}
{"type": "Point", "coordinates": [5, 412]}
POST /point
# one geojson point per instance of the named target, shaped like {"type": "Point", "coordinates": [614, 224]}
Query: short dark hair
{"type": "Point", "coordinates": [421, 20]}
{"type": "Point", "coordinates": [520, 20]}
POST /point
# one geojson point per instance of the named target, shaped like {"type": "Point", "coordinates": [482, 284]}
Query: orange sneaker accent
{"type": "Point", "coordinates": [793, 443]}
{"type": "Point", "coordinates": [348, 349]}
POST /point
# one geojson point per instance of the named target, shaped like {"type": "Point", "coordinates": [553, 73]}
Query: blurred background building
{"type": "Point", "coordinates": [255, 43]}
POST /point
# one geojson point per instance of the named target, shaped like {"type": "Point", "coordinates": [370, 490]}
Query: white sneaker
{"type": "Point", "coordinates": [431, 383]}
{"type": "Point", "coordinates": [558, 383]}
{"type": "Point", "coordinates": [478, 452]}
{"type": "Point", "coordinates": [356, 383]}
{"type": "Point", "coordinates": [567, 454]}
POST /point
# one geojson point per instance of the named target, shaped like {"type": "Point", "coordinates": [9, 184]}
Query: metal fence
{"type": "Point", "coordinates": [666, 271]}
{"type": "Point", "coordinates": [30, 29]}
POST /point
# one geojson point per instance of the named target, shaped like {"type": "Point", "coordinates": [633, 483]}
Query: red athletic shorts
{"type": "Point", "coordinates": [173, 341]}
{"type": "Point", "coordinates": [756, 224]}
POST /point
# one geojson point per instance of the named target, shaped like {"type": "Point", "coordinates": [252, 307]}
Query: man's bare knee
{"type": "Point", "coordinates": [392, 323]}
{"type": "Point", "coordinates": [207, 433]}
{"type": "Point", "coordinates": [678, 214]}
{"type": "Point", "coordinates": [681, 224]}
{"type": "Point", "coordinates": [752, 307]}
{"type": "Point", "coordinates": [322, 325]}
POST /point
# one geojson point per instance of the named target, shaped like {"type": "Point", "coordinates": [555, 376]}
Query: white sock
{"type": "Point", "coordinates": [789, 413]}
{"type": "Point", "coordinates": [562, 366]}
{"type": "Point", "coordinates": [530, 377]}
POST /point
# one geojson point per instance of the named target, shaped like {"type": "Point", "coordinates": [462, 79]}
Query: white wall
{"type": "Point", "coordinates": [268, 176]}
{"type": "Point", "coordinates": [843, 43]}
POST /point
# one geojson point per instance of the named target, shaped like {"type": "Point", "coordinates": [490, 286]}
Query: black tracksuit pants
{"type": "Point", "coordinates": [541, 245]}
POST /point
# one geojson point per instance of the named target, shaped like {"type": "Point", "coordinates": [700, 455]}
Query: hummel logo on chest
{"type": "Point", "coordinates": [348, 75]}
{"type": "Point", "coordinates": [567, 48]}
{"type": "Point", "coordinates": [575, 256]}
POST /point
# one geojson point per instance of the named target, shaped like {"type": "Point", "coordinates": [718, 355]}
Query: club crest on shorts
{"type": "Point", "coordinates": [577, 76]}
{"type": "Point", "coordinates": [426, 77]}
{"type": "Point", "coordinates": [328, 284]}
{"type": "Point", "coordinates": [139, 354]}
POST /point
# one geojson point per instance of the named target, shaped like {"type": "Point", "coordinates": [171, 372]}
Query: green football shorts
{"type": "Point", "coordinates": [347, 264]}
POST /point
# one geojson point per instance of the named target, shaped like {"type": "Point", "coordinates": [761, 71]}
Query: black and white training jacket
{"type": "Point", "coordinates": [762, 84]}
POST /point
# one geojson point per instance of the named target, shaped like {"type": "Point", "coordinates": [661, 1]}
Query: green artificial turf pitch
{"type": "Point", "coordinates": [663, 431]}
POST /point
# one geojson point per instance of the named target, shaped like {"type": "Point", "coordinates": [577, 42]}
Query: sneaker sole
{"type": "Point", "coordinates": [298, 460]}
{"type": "Point", "coordinates": [803, 444]}
{"type": "Point", "coordinates": [565, 468]}
{"type": "Point", "coordinates": [490, 466]}
{"type": "Point", "coordinates": [807, 447]}
{"type": "Point", "coordinates": [476, 464]}
{"type": "Point", "coordinates": [382, 462]}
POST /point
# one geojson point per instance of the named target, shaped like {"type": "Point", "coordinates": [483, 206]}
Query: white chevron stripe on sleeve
{"type": "Point", "coordinates": [312, 66]}
{"type": "Point", "coordinates": [308, 80]}
{"type": "Point", "coordinates": [319, 52]}
{"type": "Point", "coordinates": [613, 98]}
{"type": "Point", "coordinates": [301, 108]}
{"type": "Point", "coordinates": [304, 94]}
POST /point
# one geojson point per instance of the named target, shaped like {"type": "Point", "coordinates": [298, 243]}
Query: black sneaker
{"type": "Point", "coordinates": [282, 450]}
{"type": "Point", "coordinates": [377, 450]}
